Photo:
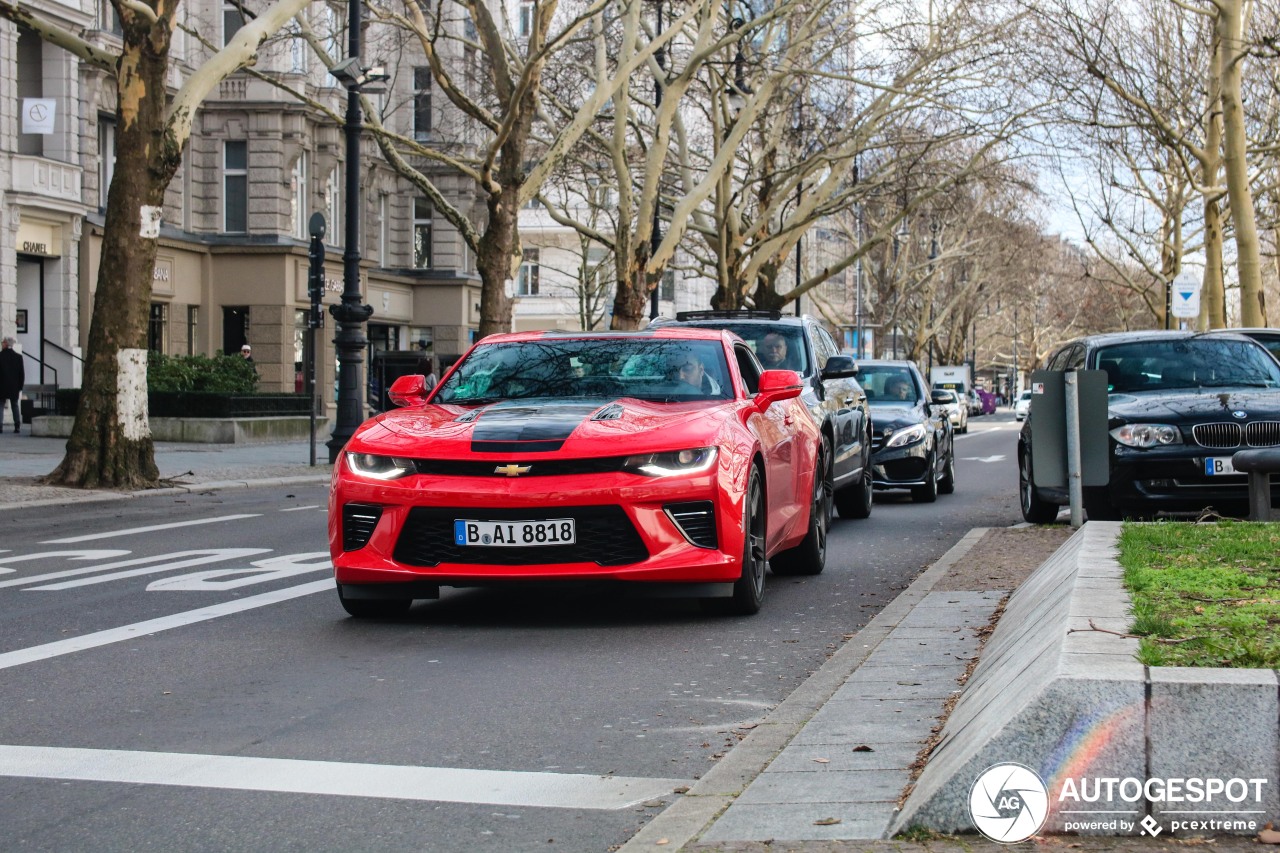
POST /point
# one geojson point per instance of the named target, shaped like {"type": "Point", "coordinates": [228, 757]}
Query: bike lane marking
{"type": "Point", "coordinates": [154, 626]}
{"type": "Point", "coordinates": [335, 778]}
{"type": "Point", "coordinates": [149, 529]}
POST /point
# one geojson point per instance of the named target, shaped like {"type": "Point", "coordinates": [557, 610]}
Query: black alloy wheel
{"type": "Point", "coordinates": [1034, 510]}
{"type": "Point", "coordinates": [928, 493]}
{"type": "Point", "coordinates": [810, 556]}
{"type": "Point", "coordinates": [947, 485]}
{"type": "Point", "coordinates": [748, 590]}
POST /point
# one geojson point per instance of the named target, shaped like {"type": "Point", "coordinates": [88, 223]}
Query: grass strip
{"type": "Point", "coordinates": [1204, 594]}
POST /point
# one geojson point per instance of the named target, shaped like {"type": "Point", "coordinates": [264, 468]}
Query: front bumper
{"type": "Point", "coordinates": [900, 467]}
{"type": "Point", "coordinates": [627, 528]}
{"type": "Point", "coordinates": [1174, 479]}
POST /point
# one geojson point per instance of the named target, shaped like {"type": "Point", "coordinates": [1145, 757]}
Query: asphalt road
{"type": "Point", "coordinates": [176, 674]}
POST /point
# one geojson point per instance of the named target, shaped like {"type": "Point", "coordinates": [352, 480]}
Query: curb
{"type": "Point", "coordinates": [693, 813]}
{"type": "Point", "coordinates": [92, 496]}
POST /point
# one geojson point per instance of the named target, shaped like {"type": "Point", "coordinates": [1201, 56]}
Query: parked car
{"type": "Point", "coordinates": [956, 408]}
{"type": "Point", "coordinates": [913, 442]}
{"type": "Point", "coordinates": [666, 459]}
{"type": "Point", "coordinates": [1180, 404]}
{"type": "Point", "coordinates": [1269, 338]}
{"type": "Point", "coordinates": [1022, 405]}
{"type": "Point", "coordinates": [974, 400]}
{"type": "Point", "coordinates": [831, 391]}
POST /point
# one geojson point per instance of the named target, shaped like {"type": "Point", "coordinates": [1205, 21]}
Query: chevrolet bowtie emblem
{"type": "Point", "coordinates": [512, 470]}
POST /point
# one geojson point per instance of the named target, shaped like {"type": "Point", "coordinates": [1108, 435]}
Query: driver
{"type": "Point", "coordinates": [688, 370]}
{"type": "Point", "coordinates": [898, 388]}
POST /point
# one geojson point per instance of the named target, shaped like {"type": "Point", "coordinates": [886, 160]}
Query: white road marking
{"type": "Point", "coordinates": [129, 532]}
{"type": "Point", "coordinates": [982, 458]}
{"type": "Point", "coordinates": [270, 569]}
{"type": "Point", "coordinates": [70, 555]}
{"type": "Point", "coordinates": [211, 555]}
{"type": "Point", "coordinates": [300, 508]}
{"type": "Point", "coordinates": [154, 626]}
{"type": "Point", "coordinates": [344, 779]}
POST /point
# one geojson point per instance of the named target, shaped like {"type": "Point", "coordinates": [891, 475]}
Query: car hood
{"type": "Point", "coordinates": [884, 417]}
{"type": "Point", "coordinates": [576, 427]}
{"type": "Point", "coordinates": [1201, 405]}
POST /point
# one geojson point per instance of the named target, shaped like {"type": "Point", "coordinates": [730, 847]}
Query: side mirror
{"type": "Point", "coordinates": [408, 390]}
{"type": "Point", "coordinates": [778, 385]}
{"type": "Point", "coordinates": [840, 367]}
{"type": "Point", "coordinates": [939, 397]}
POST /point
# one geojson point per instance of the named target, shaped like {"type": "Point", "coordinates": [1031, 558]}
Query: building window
{"type": "Point", "coordinates": [667, 286]}
{"type": "Point", "coordinates": [421, 102]}
{"type": "Point", "coordinates": [193, 327]}
{"type": "Point", "coordinates": [157, 327]}
{"type": "Point", "coordinates": [235, 186]}
{"type": "Point", "coordinates": [232, 21]}
{"type": "Point", "coordinates": [298, 204]}
{"type": "Point", "coordinates": [525, 26]}
{"type": "Point", "coordinates": [384, 229]}
{"type": "Point", "coordinates": [109, 18]}
{"type": "Point", "coordinates": [527, 282]}
{"type": "Point", "coordinates": [422, 234]}
{"type": "Point", "coordinates": [331, 203]}
{"type": "Point", "coordinates": [300, 51]}
{"type": "Point", "coordinates": [30, 85]}
{"type": "Point", "coordinates": [106, 158]}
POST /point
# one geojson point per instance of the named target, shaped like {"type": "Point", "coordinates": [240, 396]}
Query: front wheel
{"type": "Point", "coordinates": [748, 590]}
{"type": "Point", "coordinates": [1034, 510]}
{"type": "Point", "coordinates": [947, 485]}
{"type": "Point", "coordinates": [374, 608]}
{"type": "Point", "coordinates": [855, 501]}
{"type": "Point", "coordinates": [810, 556]}
{"type": "Point", "coordinates": [928, 493]}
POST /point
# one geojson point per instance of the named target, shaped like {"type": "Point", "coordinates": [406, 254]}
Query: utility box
{"type": "Point", "coordinates": [1048, 418]}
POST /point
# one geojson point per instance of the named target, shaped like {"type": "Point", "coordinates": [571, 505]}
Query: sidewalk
{"type": "Point", "coordinates": [186, 467]}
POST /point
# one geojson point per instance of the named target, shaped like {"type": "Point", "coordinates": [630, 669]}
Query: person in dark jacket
{"type": "Point", "coordinates": [12, 379]}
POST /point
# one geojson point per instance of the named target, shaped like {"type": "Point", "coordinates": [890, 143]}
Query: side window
{"type": "Point", "coordinates": [748, 367]}
{"type": "Point", "coordinates": [823, 349]}
{"type": "Point", "coordinates": [1075, 361]}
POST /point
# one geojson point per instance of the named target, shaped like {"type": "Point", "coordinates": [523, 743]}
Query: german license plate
{"type": "Point", "coordinates": [514, 534]}
{"type": "Point", "coordinates": [1216, 466]}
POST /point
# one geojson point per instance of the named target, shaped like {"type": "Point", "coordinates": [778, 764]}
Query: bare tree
{"type": "Point", "coordinates": [110, 442]}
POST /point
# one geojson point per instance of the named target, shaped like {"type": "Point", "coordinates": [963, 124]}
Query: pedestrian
{"type": "Point", "coordinates": [12, 378]}
{"type": "Point", "coordinates": [426, 366]}
{"type": "Point", "coordinates": [246, 352]}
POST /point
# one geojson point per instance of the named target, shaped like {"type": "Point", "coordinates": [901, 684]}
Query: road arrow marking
{"type": "Point", "coordinates": [982, 458]}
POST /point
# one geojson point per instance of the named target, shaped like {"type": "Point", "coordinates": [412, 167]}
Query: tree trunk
{"type": "Point", "coordinates": [494, 260]}
{"type": "Point", "coordinates": [631, 300]}
{"type": "Point", "coordinates": [1212, 291]}
{"type": "Point", "coordinates": [1230, 21]}
{"type": "Point", "coordinates": [110, 444]}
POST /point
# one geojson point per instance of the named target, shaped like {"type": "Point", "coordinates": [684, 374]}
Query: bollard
{"type": "Point", "coordinates": [1259, 464]}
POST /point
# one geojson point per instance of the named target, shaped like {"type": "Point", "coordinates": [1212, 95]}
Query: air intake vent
{"type": "Point", "coordinates": [1262, 434]}
{"type": "Point", "coordinates": [696, 520]}
{"type": "Point", "coordinates": [1220, 436]}
{"type": "Point", "coordinates": [611, 412]}
{"type": "Point", "coordinates": [358, 522]}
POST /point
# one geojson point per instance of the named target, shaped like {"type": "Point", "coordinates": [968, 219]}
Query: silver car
{"type": "Point", "coordinates": [957, 409]}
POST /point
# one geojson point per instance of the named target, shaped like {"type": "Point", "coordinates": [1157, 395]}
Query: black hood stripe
{"type": "Point", "coordinates": [520, 427]}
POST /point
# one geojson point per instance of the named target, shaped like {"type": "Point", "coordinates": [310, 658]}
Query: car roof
{"type": "Point", "coordinates": [744, 316]}
{"type": "Point", "coordinates": [660, 332]}
{"type": "Point", "coordinates": [888, 362]}
{"type": "Point", "coordinates": [1108, 338]}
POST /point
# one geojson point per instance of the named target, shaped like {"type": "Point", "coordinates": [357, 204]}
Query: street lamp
{"type": "Point", "coordinates": [655, 238]}
{"type": "Point", "coordinates": [351, 313]}
{"type": "Point", "coordinates": [933, 256]}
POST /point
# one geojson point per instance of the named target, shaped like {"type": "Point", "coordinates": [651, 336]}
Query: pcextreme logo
{"type": "Point", "coordinates": [1008, 803]}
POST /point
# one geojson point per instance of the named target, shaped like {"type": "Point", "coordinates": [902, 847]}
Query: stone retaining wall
{"type": "Point", "coordinates": [1076, 706]}
{"type": "Point", "coordinates": [203, 430]}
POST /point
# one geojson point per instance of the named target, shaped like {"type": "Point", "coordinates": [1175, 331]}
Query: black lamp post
{"type": "Point", "coordinates": [351, 314]}
{"type": "Point", "coordinates": [655, 238]}
{"type": "Point", "coordinates": [933, 256]}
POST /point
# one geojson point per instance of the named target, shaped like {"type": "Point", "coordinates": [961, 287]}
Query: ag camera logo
{"type": "Point", "coordinates": [1008, 803]}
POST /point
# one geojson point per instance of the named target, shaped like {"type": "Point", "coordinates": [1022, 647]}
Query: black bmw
{"type": "Point", "coordinates": [1179, 405]}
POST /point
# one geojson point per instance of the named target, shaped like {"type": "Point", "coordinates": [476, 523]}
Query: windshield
{"type": "Point", "coordinates": [1187, 363]}
{"type": "Point", "coordinates": [646, 368]}
{"type": "Point", "coordinates": [778, 347]}
{"type": "Point", "coordinates": [888, 384]}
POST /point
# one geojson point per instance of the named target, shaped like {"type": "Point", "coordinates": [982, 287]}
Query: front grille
{"type": "Point", "coordinates": [1220, 436]}
{"type": "Point", "coordinates": [1262, 434]}
{"type": "Point", "coordinates": [696, 520]}
{"type": "Point", "coordinates": [605, 536]}
{"type": "Point", "coordinates": [358, 522]}
{"type": "Point", "coordinates": [469, 468]}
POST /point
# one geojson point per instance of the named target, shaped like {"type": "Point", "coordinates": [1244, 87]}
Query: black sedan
{"type": "Point", "coordinates": [1179, 405]}
{"type": "Point", "coordinates": [913, 446]}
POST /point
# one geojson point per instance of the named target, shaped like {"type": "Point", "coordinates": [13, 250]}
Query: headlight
{"type": "Point", "coordinates": [1147, 435]}
{"type": "Point", "coordinates": [910, 435]}
{"type": "Point", "coordinates": [379, 467]}
{"type": "Point", "coordinates": [693, 461]}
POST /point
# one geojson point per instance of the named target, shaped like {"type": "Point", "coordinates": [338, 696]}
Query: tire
{"type": "Point", "coordinates": [374, 608]}
{"type": "Point", "coordinates": [1034, 510]}
{"type": "Point", "coordinates": [810, 556]}
{"type": "Point", "coordinates": [748, 590]}
{"type": "Point", "coordinates": [855, 501]}
{"type": "Point", "coordinates": [928, 493]}
{"type": "Point", "coordinates": [947, 484]}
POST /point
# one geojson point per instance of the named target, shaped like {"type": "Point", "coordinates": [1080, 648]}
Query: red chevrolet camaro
{"type": "Point", "coordinates": [665, 459]}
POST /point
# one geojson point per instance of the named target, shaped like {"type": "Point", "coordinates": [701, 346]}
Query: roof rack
{"type": "Point", "coordinates": [728, 315]}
